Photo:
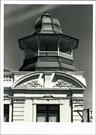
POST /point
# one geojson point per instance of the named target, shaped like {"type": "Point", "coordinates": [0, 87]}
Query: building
{"type": "Point", "coordinates": [48, 87]}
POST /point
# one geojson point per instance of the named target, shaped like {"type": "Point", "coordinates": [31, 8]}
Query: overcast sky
{"type": "Point", "coordinates": [76, 21]}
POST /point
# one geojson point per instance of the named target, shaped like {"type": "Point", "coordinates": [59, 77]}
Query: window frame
{"type": "Point", "coordinates": [48, 112]}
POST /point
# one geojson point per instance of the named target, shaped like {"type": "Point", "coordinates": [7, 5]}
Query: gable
{"type": "Point", "coordinates": [48, 80]}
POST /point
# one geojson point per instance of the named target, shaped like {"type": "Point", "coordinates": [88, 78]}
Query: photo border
{"type": "Point", "coordinates": [45, 128]}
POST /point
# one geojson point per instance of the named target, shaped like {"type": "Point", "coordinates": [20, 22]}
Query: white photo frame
{"type": "Point", "coordinates": [45, 128]}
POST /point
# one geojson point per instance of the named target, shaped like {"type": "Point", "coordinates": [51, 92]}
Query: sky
{"type": "Point", "coordinates": [75, 20]}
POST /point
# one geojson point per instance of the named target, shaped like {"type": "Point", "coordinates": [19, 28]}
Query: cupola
{"type": "Point", "coordinates": [47, 48]}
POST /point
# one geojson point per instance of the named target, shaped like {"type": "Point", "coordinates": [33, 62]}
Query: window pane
{"type": "Point", "coordinates": [41, 107]}
{"type": "Point", "coordinates": [41, 118]}
{"type": "Point", "coordinates": [53, 107]}
{"type": "Point", "coordinates": [52, 118]}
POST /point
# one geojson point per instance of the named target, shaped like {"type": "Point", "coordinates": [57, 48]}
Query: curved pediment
{"type": "Point", "coordinates": [48, 80]}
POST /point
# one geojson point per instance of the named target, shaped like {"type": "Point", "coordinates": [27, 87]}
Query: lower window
{"type": "Point", "coordinates": [47, 113]}
{"type": "Point", "coordinates": [6, 113]}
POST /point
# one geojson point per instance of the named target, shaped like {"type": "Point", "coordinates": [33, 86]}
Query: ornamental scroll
{"type": "Point", "coordinates": [31, 84]}
{"type": "Point", "coordinates": [63, 84]}
{"type": "Point", "coordinates": [37, 84]}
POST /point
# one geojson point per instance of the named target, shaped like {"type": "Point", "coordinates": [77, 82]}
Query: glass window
{"type": "Point", "coordinates": [52, 117]}
{"type": "Point", "coordinates": [41, 117]}
{"type": "Point", "coordinates": [6, 113]}
{"type": "Point", "coordinates": [47, 113]}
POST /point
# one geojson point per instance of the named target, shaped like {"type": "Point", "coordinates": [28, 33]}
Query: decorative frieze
{"type": "Point", "coordinates": [63, 84]}
{"type": "Point", "coordinates": [37, 84]}
{"type": "Point", "coordinates": [18, 101]}
{"type": "Point", "coordinates": [47, 80]}
{"type": "Point", "coordinates": [31, 84]}
{"type": "Point", "coordinates": [47, 97]}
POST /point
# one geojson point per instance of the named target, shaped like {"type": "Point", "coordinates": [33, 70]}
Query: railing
{"type": "Point", "coordinates": [56, 53]}
{"type": "Point", "coordinates": [49, 53]}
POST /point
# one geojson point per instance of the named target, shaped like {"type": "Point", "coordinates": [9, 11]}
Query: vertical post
{"type": "Point", "coordinates": [58, 49]}
{"type": "Point", "coordinates": [65, 110]}
{"type": "Point", "coordinates": [34, 111]}
{"type": "Point", "coordinates": [59, 53]}
{"type": "Point", "coordinates": [28, 110]}
{"type": "Point", "coordinates": [10, 112]}
{"type": "Point", "coordinates": [38, 50]}
{"type": "Point", "coordinates": [38, 45]}
{"type": "Point", "coordinates": [58, 46]}
{"type": "Point", "coordinates": [72, 54]}
{"type": "Point", "coordinates": [88, 117]}
{"type": "Point", "coordinates": [71, 104]}
{"type": "Point", "coordinates": [44, 80]}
